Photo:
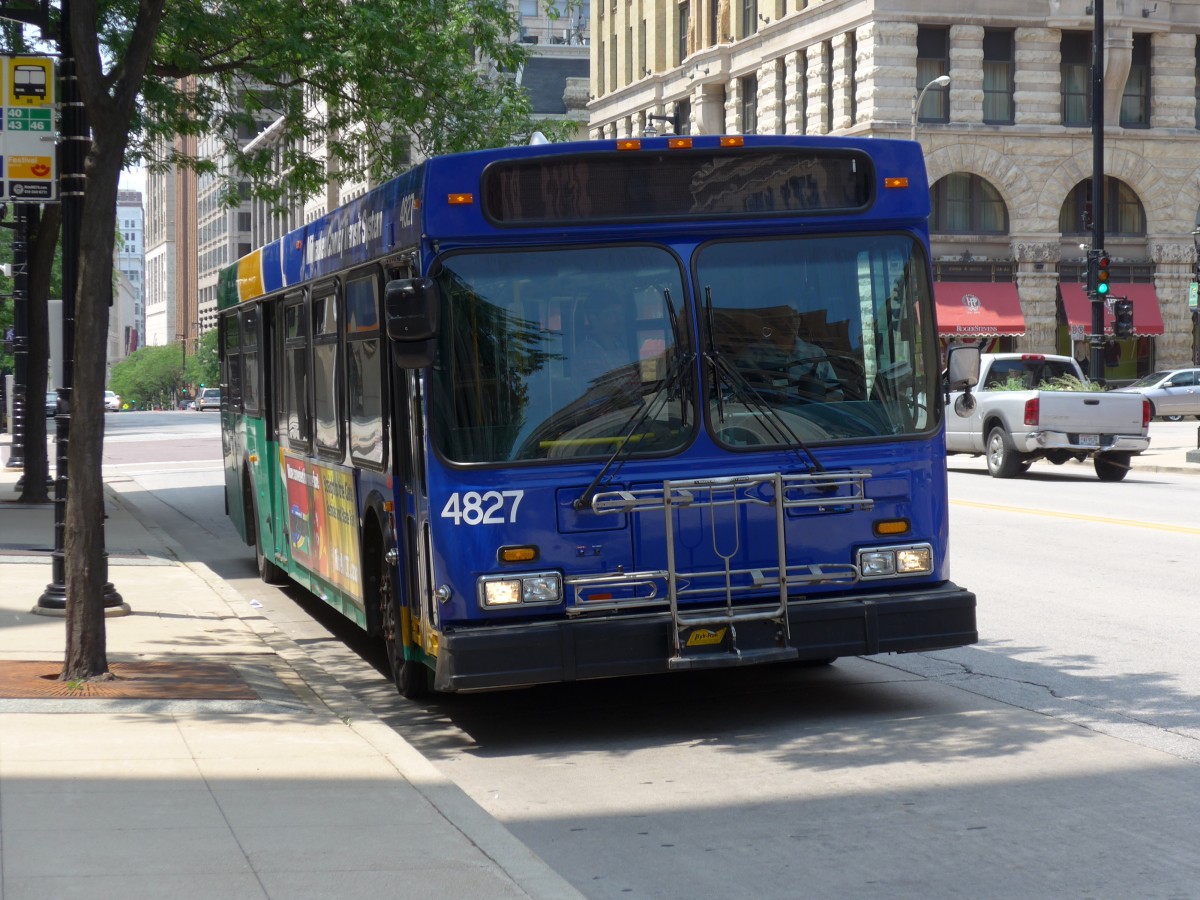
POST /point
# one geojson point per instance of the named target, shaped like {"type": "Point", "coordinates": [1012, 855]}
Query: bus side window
{"type": "Point", "coordinates": [327, 420]}
{"type": "Point", "coordinates": [251, 377]}
{"type": "Point", "coordinates": [296, 404]}
{"type": "Point", "coordinates": [364, 369]}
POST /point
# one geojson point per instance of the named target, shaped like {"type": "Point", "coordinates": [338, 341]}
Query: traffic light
{"type": "Point", "coordinates": [1102, 284]}
{"type": "Point", "coordinates": [1123, 318]}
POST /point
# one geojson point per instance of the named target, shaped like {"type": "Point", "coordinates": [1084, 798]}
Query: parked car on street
{"type": "Point", "coordinates": [51, 402]}
{"type": "Point", "coordinates": [208, 398]}
{"type": "Point", "coordinates": [112, 402]}
{"type": "Point", "coordinates": [1023, 410]}
{"type": "Point", "coordinates": [1173, 393]}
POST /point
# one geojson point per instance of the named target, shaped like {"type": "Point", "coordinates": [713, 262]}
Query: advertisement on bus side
{"type": "Point", "coordinates": [323, 521]}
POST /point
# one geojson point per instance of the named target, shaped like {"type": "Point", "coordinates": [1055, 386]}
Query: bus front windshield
{"type": "Point", "coordinates": [560, 353]}
{"type": "Point", "coordinates": [816, 339]}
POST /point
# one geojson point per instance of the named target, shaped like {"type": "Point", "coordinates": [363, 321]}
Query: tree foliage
{"type": "Point", "coordinates": [160, 376]}
{"type": "Point", "coordinates": [360, 88]}
{"type": "Point", "coordinates": [151, 375]}
{"type": "Point", "coordinates": [203, 367]}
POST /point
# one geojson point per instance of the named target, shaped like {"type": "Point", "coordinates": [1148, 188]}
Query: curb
{"type": "Point", "coordinates": [526, 869]}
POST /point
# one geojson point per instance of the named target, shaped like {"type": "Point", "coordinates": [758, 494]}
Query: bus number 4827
{"type": "Point", "coordinates": [488, 508]}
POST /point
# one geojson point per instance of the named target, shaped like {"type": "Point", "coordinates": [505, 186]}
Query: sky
{"type": "Point", "coordinates": [134, 180]}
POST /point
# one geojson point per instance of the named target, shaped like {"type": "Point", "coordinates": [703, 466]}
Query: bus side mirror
{"type": "Point", "coordinates": [411, 308]}
{"type": "Point", "coordinates": [962, 368]}
{"type": "Point", "coordinates": [411, 318]}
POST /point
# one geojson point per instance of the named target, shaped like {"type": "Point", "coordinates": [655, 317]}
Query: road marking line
{"type": "Point", "coordinates": [1104, 520]}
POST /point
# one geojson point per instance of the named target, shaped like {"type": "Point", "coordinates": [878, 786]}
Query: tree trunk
{"type": "Point", "coordinates": [108, 104]}
{"type": "Point", "coordinates": [83, 540]}
{"type": "Point", "coordinates": [85, 567]}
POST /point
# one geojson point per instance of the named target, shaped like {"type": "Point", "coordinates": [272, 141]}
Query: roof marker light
{"type": "Point", "coordinates": [460, 199]}
{"type": "Point", "coordinates": [679, 143]}
{"type": "Point", "coordinates": [629, 144]}
{"type": "Point", "coordinates": [733, 140]}
{"type": "Point", "coordinates": [899, 181]}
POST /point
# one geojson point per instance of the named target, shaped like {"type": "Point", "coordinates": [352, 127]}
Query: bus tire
{"type": "Point", "coordinates": [268, 572]}
{"type": "Point", "coordinates": [410, 676]}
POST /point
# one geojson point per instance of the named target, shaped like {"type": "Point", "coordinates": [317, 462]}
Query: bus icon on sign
{"type": "Point", "coordinates": [29, 84]}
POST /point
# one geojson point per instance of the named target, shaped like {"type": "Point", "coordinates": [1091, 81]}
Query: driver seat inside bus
{"type": "Point", "coordinates": [602, 336]}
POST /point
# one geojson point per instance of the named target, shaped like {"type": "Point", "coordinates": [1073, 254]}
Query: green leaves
{"type": "Point", "coordinates": [158, 374]}
{"type": "Point", "coordinates": [364, 88]}
{"type": "Point", "coordinates": [149, 375]}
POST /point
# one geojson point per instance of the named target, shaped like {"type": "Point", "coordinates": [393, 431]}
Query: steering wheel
{"type": "Point", "coordinates": [809, 385]}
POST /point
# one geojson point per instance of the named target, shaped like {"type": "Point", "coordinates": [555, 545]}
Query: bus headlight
{"type": "Point", "coordinates": [914, 561]}
{"type": "Point", "coordinates": [881, 562]}
{"type": "Point", "coordinates": [534, 589]}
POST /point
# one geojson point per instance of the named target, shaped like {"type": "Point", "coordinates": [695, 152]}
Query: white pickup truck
{"type": "Point", "coordinates": [1012, 428]}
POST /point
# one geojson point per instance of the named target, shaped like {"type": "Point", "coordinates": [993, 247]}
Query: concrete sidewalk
{"type": "Point", "coordinates": [276, 783]}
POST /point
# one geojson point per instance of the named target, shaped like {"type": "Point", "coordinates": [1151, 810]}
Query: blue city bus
{"type": "Point", "coordinates": [584, 410]}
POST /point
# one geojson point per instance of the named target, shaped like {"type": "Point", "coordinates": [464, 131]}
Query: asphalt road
{"type": "Point", "coordinates": [1056, 758]}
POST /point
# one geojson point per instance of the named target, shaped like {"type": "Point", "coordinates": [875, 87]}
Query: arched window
{"type": "Point", "coordinates": [1123, 211]}
{"type": "Point", "coordinates": [966, 204]}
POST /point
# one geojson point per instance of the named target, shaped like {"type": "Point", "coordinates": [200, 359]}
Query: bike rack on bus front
{"type": "Point", "coordinates": [706, 636]}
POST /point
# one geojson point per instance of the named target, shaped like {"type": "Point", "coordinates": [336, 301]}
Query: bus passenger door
{"type": "Point", "coordinates": [417, 558]}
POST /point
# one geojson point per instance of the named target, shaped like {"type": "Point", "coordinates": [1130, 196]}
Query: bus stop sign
{"type": "Point", "coordinates": [28, 161]}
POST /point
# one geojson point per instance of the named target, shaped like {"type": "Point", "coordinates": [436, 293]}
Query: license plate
{"type": "Point", "coordinates": [1089, 440]}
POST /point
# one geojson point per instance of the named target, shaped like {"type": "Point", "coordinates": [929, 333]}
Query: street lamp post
{"type": "Point", "coordinates": [940, 82]}
{"type": "Point", "coordinates": [669, 120]}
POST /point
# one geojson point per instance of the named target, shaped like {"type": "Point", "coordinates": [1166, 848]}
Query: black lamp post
{"type": "Point", "coordinates": [1097, 337]}
{"type": "Point", "coordinates": [20, 337]}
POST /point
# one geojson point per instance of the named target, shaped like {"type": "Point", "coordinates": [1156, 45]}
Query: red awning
{"type": "Point", "coordinates": [978, 307]}
{"type": "Point", "coordinates": [1147, 317]}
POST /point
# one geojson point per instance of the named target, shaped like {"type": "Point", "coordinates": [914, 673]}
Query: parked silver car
{"type": "Point", "coordinates": [208, 398]}
{"type": "Point", "coordinates": [1172, 393]}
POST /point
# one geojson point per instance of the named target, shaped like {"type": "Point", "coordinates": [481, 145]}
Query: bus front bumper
{"type": "Point", "coordinates": [488, 657]}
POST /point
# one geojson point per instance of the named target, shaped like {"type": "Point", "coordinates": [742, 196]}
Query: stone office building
{"type": "Point", "coordinates": [1008, 143]}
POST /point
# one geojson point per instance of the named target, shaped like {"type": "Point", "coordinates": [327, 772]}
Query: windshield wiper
{"type": "Point", "coordinates": [634, 422]}
{"type": "Point", "coordinates": [772, 420]}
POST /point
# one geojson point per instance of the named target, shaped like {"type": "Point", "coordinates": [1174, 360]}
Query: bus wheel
{"type": "Point", "coordinates": [268, 572]}
{"type": "Point", "coordinates": [410, 676]}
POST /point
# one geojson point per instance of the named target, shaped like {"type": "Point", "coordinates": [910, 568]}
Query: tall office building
{"type": "Point", "coordinates": [131, 262]}
{"type": "Point", "coordinates": [160, 259]}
